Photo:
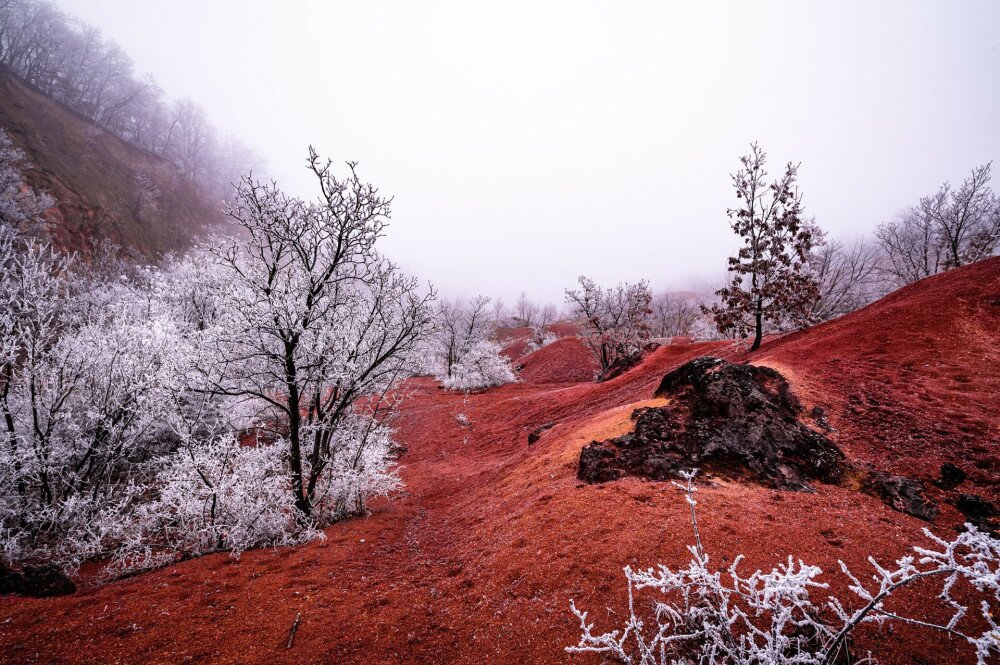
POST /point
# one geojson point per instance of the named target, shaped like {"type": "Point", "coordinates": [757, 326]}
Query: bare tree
{"type": "Point", "coordinates": [847, 275]}
{"type": "Point", "coordinates": [770, 282]}
{"type": "Point", "coordinates": [674, 314]}
{"type": "Point", "coordinates": [500, 313]}
{"type": "Point", "coordinates": [458, 326]}
{"type": "Point", "coordinates": [910, 247]}
{"type": "Point", "coordinates": [525, 311]}
{"type": "Point", "coordinates": [317, 324]}
{"type": "Point", "coordinates": [616, 320]}
{"type": "Point", "coordinates": [948, 229]}
{"type": "Point", "coordinates": [966, 219]}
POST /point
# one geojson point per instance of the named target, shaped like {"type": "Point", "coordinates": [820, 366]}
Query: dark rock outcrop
{"type": "Point", "coordinates": [36, 581]}
{"type": "Point", "coordinates": [951, 477]}
{"type": "Point", "coordinates": [536, 433]}
{"type": "Point", "coordinates": [738, 421]}
{"type": "Point", "coordinates": [978, 511]}
{"type": "Point", "coordinates": [903, 494]}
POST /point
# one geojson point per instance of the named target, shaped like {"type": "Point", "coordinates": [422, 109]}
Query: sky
{"type": "Point", "coordinates": [527, 143]}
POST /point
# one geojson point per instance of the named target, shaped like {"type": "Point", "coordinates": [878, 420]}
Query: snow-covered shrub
{"type": "Point", "coordinates": [461, 352]}
{"type": "Point", "coordinates": [85, 381]}
{"type": "Point", "coordinates": [729, 618]}
{"type": "Point", "coordinates": [21, 207]}
{"type": "Point", "coordinates": [481, 366]}
{"type": "Point", "coordinates": [540, 338]}
{"type": "Point", "coordinates": [217, 495]}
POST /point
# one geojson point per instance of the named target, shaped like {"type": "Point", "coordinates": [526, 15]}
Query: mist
{"type": "Point", "coordinates": [526, 144]}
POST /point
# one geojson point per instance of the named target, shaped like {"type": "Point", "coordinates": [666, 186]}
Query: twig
{"type": "Point", "coordinates": [295, 628]}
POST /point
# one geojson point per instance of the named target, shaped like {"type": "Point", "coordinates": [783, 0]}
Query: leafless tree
{"type": "Point", "coordinates": [458, 325]}
{"type": "Point", "coordinates": [910, 247]}
{"type": "Point", "coordinates": [966, 219]}
{"type": "Point", "coordinates": [525, 311]}
{"type": "Point", "coordinates": [318, 323]}
{"type": "Point", "coordinates": [848, 276]}
{"type": "Point", "coordinates": [616, 320]}
{"type": "Point", "coordinates": [948, 229]}
{"type": "Point", "coordinates": [674, 314]}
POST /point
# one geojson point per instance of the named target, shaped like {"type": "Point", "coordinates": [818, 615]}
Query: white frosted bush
{"type": "Point", "coordinates": [217, 496]}
{"type": "Point", "coordinates": [729, 618]}
{"type": "Point", "coordinates": [482, 366]}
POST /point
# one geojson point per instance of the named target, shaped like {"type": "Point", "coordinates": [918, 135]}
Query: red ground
{"type": "Point", "coordinates": [477, 560]}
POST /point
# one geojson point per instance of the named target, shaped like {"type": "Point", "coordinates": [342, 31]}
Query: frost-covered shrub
{"type": "Point", "coordinates": [481, 366]}
{"type": "Point", "coordinates": [540, 338]}
{"type": "Point", "coordinates": [215, 496]}
{"type": "Point", "coordinates": [727, 617]}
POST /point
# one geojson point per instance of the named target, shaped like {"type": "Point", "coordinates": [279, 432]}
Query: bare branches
{"type": "Point", "coordinates": [948, 229]}
{"type": "Point", "coordinates": [616, 320]}
{"type": "Point", "coordinates": [728, 618]}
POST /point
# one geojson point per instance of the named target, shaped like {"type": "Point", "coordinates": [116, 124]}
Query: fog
{"type": "Point", "coordinates": [527, 143]}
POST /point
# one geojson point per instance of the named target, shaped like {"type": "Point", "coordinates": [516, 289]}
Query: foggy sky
{"type": "Point", "coordinates": [527, 143]}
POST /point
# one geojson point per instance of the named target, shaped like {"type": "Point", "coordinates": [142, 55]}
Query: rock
{"type": "Point", "coordinates": [818, 414]}
{"type": "Point", "coordinates": [903, 494]}
{"type": "Point", "coordinates": [951, 477]}
{"type": "Point", "coordinates": [6, 579]}
{"type": "Point", "coordinates": [536, 433]}
{"type": "Point", "coordinates": [738, 421]}
{"type": "Point", "coordinates": [36, 581]}
{"type": "Point", "coordinates": [978, 511]}
{"type": "Point", "coordinates": [620, 366]}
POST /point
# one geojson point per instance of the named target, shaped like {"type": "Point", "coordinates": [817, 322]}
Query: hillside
{"type": "Point", "coordinates": [105, 188]}
{"type": "Point", "coordinates": [477, 560]}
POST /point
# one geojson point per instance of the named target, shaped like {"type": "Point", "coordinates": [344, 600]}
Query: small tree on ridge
{"type": "Point", "coordinates": [770, 283]}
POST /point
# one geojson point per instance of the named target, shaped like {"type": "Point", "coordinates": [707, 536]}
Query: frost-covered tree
{"type": "Point", "coordinates": [616, 320]}
{"type": "Point", "coordinates": [948, 229]}
{"type": "Point", "coordinates": [315, 326]}
{"type": "Point", "coordinates": [728, 617]}
{"type": "Point", "coordinates": [463, 352]}
{"type": "Point", "coordinates": [21, 207]}
{"type": "Point", "coordinates": [770, 281]}
{"type": "Point", "coordinates": [847, 275]}
{"type": "Point", "coordinates": [966, 218]}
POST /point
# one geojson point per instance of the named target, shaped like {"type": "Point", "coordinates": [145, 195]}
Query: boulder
{"type": "Point", "coordinates": [903, 494]}
{"type": "Point", "coordinates": [736, 421]}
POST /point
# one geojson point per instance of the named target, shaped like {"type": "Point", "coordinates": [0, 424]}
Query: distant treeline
{"type": "Point", "coordinates": [73, 63]}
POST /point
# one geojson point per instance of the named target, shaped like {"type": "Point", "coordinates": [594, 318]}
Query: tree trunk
{"type": "Point", "coordinates": [758, 330]}
{"type": "Point", "coordinates": [302, 502]}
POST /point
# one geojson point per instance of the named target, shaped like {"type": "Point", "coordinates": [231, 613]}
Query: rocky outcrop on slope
{"type": "Point", "coordinates": [741, 422]}
{"type": "Point", "coordinates": [737, 421]}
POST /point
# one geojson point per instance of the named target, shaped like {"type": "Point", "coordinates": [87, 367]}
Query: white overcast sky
{"type": "Point", "coordinates": [527, 143]}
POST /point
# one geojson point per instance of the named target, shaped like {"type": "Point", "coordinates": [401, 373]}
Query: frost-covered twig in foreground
{"type": "Point", "coordinates": [715, 618]}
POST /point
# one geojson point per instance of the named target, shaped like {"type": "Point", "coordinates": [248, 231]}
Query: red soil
{"type": "Point", "coordinates": [477, 560]}
{"type": "Point", "coordinates": [565, 360]}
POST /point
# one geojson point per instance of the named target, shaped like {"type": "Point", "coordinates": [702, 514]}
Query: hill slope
{"type": "Point", "coordinates": [477, 560]}
{"type": "Point", "coordinates": [105, 188]}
